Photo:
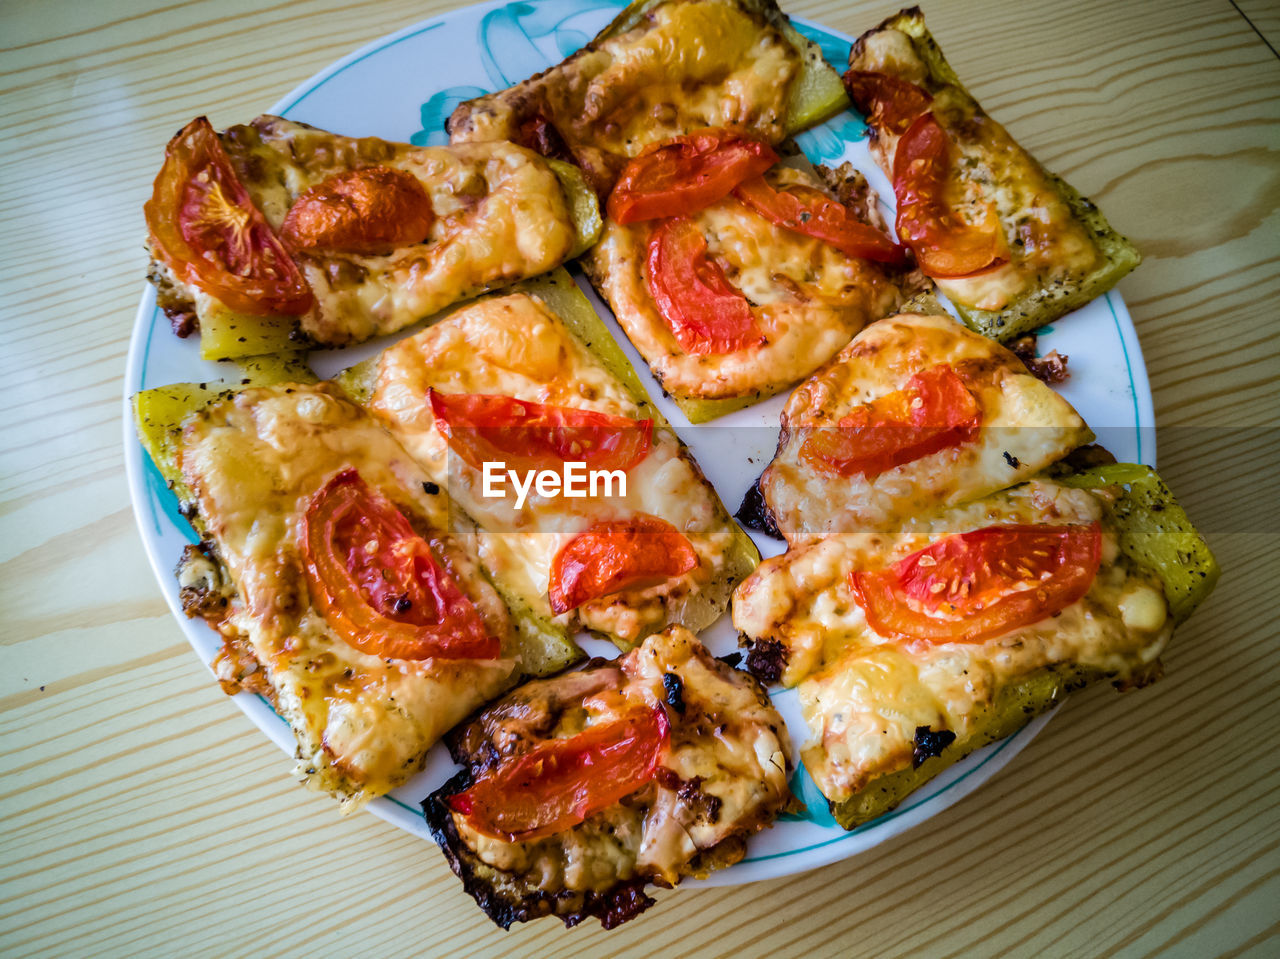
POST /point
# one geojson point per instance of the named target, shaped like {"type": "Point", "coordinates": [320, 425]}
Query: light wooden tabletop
{"type": "Point", "coordinates": [142, 814]}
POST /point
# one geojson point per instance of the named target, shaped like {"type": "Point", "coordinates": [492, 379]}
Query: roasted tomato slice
{"type": "Point", "coordinates": [973, 586]}
{"type": "Point", "coordinates": [806, 210]}
{"type": "Point", "coordinates": [945, 245]}
{"type": "Point", "coordinates": [377, 582]}
{"type": "Point", "coordinates": [887, 102]}
{"type": "Point", "coordinates": [205, 227]}
{"type": "Point", "coordinates": [370, 210]}
{"type": "Point", "coordinates": [687, 174]}
{"type": "Point", "coordinates": [481, 427]}
{"type": "Point", "coordinates": [934, 412]}
{"type": "Point", "coordinates": [615, 555]}
{"type": "Point", "coordinates": [560, 782]}
{"type": "Point", "coordinates": [704, 311]}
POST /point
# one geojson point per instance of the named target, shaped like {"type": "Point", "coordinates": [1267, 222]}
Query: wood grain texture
{"type": "Point", "coordinates": [145, 816]}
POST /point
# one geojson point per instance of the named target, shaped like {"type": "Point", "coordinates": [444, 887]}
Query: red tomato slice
{"type": "Point", "coordinates": [686, 174]}
{"type": "Point", "coordinates": [207, 230]}
{"type": "Point", "coordinates": [615, 555]}
{"type": "Point", "coordinates": [370, 210]}
{"type": "Point", "coordinates": [705, 312]}
{"type": "Point", "coordinates": [973, 586]}
{"type": "Point", "coordinates": [945, 245]}
{"type": "Point", "coordinates": [377, 582]}
{"type": "Point", "coordinates": [481, 427]}
{"type": "Point", "coordinates": [888, 103]}
{"type": "Point", "coordinates": [808, 211]}
{"type": "Point", "coordinates": [560, 782]}
{"type": "Point", "coordinates": [934, 412]}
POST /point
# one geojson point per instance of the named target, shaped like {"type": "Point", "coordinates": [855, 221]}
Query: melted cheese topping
{"type": "Point", "coordinates": [728, 740]}
{"type": "Point", "coordinates": [807, 298]}
{"type": "Point", "coordinates": [863, 695]}
{"type": "Point", "coordinates": [514, 346]}
{"type": "Point", "coordinates": [701, 63]}
{"type": "Point", "coordinates": [1048, 245]}
{"type": "Point", "coordinates": [253, 462]}
{"type": "Point", "coordinates": [1025, 426]}
{"type": "Point", "coordinates": [501, 216]}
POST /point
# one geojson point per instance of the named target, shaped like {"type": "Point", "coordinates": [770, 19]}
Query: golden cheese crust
{"type": "Point", "coordinates": [864, 696]}
{"type": "Point", "coordinates": [500, 216]}
{"type": "Point", "coordinates": [686, 65]}
{"type": "Point", "coordinates": [807, 297]}
{"type": "Point", "coordinates": [363, 723]}
{"type": "Point", "coordinates": [1025, 426]}
{"type": "Point", "coordinates": [722, 779]}
{"type": "Point", "coordinates": [514, 346]}
{"type": "Point", "coordinates": [1062, 252]}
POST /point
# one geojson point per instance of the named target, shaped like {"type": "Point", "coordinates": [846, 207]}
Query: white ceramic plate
{"type": "Point", "coordinates": [402, 87]}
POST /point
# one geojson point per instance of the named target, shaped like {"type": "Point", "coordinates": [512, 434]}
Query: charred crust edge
{"type": "Point", "coordinates": [624, 901]}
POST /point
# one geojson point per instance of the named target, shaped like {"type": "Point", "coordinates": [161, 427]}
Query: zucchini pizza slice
{"type": "Point", "coordinates": [504, 396]}
{"type": "Point", "coordinates": [735, 275]}
{"type": "Point", "coordinates": [917, 413]}
{"type": "Point", "coordinates": [328, 566]}
{"type": "Point", "coordinates": [275, 235]}
{"type": "Point", "coordinates": [911, 648]}
{"type": "Point", "coordinates": [579, 791]}
{"type": "Point", "coordinates": [1007, 242]}
{"type": "Point", "coordinates": [662, 68]}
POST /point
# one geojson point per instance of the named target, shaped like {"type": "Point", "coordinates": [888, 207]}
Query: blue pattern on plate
{"type": "Point", "coordinates": [507, 35]}
{"type": "Point", "coordinates": [436, 110]}
{"type": "Point", "coordinates": [163, 501]}
{"type": "Point", "coordinates": [826, 143]}
{"type": "Point", "coordinates": [835, 50]}
{"type": "Point", "coordinates": [816, 810]}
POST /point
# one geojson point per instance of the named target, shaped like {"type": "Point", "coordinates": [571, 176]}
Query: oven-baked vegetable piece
{"type": "Point", "coordinates": [368, 653]}
{"type": "Point", "coordinates": [671, 551]}
{"type": "Point", "coordinates": [274, 235]}
{"type": "Point", "coordinates": [579, 791]}
{"type": "Point", "coordinates": [730, 304]}
{"type": "Point", "coordinates": [160, 416]}
{"type": "Point", "coordinates": [889, 711]}
{"type": "Point", "coordinates": [952, 164]}
{"type": "Point", "coordinates": [916, 413]}
{"type": "Point", "coordinates": [662, 68]}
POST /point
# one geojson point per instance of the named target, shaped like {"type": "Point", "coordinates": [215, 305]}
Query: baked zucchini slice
{"type": "Point", "coordinates": [650, 75]}
{"type": "Point", "coordinates": [1155, 533]}
{"type": "Point", "coordinates": [1043, 280]}
{"type": "Point", "coordinates": [159, 414]}
{"type": "Point", "coordinates": [559, 294]}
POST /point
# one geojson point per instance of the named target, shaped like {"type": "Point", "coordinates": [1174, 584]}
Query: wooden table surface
{"type": "Point", "coordinates": [143, 814]}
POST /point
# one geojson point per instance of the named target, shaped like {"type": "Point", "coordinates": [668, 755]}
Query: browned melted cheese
{"type": "Point", "coordinates": [514, 346]}
{"type": "Point", "coordinates": [863, 695]}
{"type": "Point", "coordinates": [501, 216]}
{"type": "Point", "coordinates": [807, 298]}
{"type": "Point", "coordinates": [700, 63]}
{"type": "Point", "coordinates": [728, 750]}
{"type": "Point", "coordinates": [363, 723]}
{"type": "Point", "coordinates": [1024, 427]}
{"type": "Point", "coordinates": [1048, 245]}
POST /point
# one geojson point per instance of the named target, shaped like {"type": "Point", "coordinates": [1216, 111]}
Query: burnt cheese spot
{"type": "Point", "coordinates": [673, 685]}
{"type": "Point", "coordinates": [765, 660]}
{"type": "Point", "coordinates": [929, 744]}
{"type": "Point", "coordinates": [754, 513]}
